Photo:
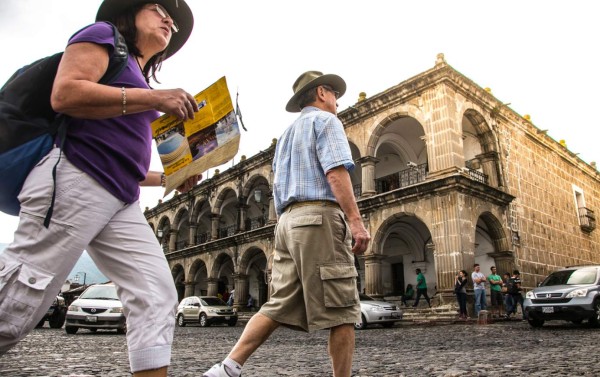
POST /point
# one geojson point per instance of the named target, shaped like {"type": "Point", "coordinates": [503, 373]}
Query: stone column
{"type": "Point", "coordinates": [445, 152]}
{"type": "Point", "coordinates": [453, 238]}
{"type": "Point", "coordinates": [272, 212]}
{"type": "Point", "coordinates": [214, 226]}
{"type": "Point", "coordinates": [489, 167]}
{"type": "Point", "coordinates": [242, 213]}
{"type": "Point", "coordinates": [213, 286]}
{"type": "Point", "coordinates": [172, 240]}
{"type": "Point", "coordinates": [189, 288]}
{"type": "Point", "coordinates": [373, 280]}
{"type": "Point", "coordinates": [193, 232]}
{"type": "Point", "coordinates": [241, 291]}
{"type": "Point", "coordinates": [368, 175]}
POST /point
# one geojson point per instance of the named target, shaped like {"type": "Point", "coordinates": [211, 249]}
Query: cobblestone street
{"type": "Point", "coordinates": [500, 349]}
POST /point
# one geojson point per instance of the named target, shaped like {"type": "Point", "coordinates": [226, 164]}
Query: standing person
{"type": "Point", "coordinates": [514, 291]}
{"type": "Point", "coordinates": [421, 288]}
{"type": "Point", "coordinates": [460, 288]}
{"type": "Point", "coordinates": [495, 292]}
{"type": "Point", "coordinates": [313, 282]}
{"type": "Point", "coordinates": [105, 159]}
{"type": "Point", "coordinates": [478, 289]}
{"type": "Point", "coordinates": [508, 301]}
{"type": "Point", "coordinates": [231, 297]}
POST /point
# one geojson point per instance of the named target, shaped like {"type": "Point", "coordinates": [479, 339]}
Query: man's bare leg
{"type": "Point", "coordinates": [257, 331]}
{"type": "Point", "coordinates": [341, 349]}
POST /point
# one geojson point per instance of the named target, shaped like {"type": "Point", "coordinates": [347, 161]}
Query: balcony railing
{"type": "Point", "coordinates": [256, 222]}
{"type": "Point", "coordinates": [587, 219]}
{"type": "Point", "coordinates": [227, 231]}
{"type": "Point", "coordinates": [202, 237]}
{"type": "Point", "coordinates": [478, 176]}
{"type": "Point", "coordinates": [401, 179]}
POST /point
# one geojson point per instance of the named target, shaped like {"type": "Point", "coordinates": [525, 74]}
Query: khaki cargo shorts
{"type": "Point", "coordinates": [313, 283]}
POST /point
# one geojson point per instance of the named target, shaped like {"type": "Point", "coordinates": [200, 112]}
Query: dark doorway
{"type": "Point", "coordinates": [398, 279]}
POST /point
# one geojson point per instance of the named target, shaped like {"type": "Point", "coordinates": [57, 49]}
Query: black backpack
{"type": "Point", "coordinates": [29, 125]}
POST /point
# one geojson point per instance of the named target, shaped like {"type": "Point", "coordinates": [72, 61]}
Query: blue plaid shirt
{"type": "Point", "coordinates": [314, 144]}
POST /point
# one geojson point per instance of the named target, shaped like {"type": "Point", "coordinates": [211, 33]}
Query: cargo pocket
{"type": "Point", "coordinates": [339, 285]}
{"type": "Point", "coordinates": [21, 293]}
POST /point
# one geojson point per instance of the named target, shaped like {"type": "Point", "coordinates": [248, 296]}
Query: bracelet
{"type": "Point", "coordinates": [123, 101]}
{"type": "Point", "coordinates": [163, 179]}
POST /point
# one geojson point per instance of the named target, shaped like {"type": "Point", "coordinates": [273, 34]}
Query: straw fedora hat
{"type": "Point", "coordinates": [177, 9]}
{"type": "Point", "coordinates": [312, 79]}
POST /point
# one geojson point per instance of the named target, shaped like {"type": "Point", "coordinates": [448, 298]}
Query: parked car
{"type": "Point", "coordinates": [56, 314]}
{"type": "Point", "coordinates": [571, 294]}
{"type": "Point", "coordinates": [377, 312]}
{"type": "Point", "coordinates": [205, 310]}
{"type": "Point", "coordinates": [98, 307]}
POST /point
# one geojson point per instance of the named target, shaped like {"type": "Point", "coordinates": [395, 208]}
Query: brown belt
{"type": "Point", "coordinates": [322, 203]}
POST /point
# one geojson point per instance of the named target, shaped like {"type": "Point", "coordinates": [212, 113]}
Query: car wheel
{"type": "Point", "coordinates": [231, 322]}
{"type": "Point", "coordinates": [387, 325]}
{"type": "Point", "coordinates": [362, 324]}
{"type": "Point", "coordinates": [203, 320]}
{"type": "Point", "coordinates": [536, 322]}
{"type": "Point", "coordinates": [40, 323]}
{"type": "Point", "coordinates": [58, 320]}
{"type": "Point", "coordinates": [180, 321]}
{"type": "Point", "coordinates": [71, 329]}
{"type": "Point", "coordinates": [595, 320]}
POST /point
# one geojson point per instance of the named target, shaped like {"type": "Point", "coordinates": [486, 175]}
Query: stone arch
{"type": "Point", "coordinates": [482, 128]}
{"type": "Point", "coordinates": [181, 224]}
{"type": "Point", "coordinates": [224, 192]}
{"type": "Point", "coordinates": [253, 265]}
{"type": "Point", "coordinates": [198, 278]}
{"type": "Point", "coordinates": [178, 273]}
{"type": "Point", "coordinates": [401, 244]}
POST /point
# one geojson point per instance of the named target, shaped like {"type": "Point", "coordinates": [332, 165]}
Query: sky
{"type": "Point", "coordinates": [541, 57]}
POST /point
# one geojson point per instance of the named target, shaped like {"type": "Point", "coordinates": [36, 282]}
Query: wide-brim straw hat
{"type": "Point", "coordinates": [177, 9]}
{"type": "Point", "coordinates": [312, 79]}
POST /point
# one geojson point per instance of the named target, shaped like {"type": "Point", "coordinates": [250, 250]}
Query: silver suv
{"type": "Point", "coordinates": [571, 294]}
{"type": "Point", "coordinates": [205, 310]}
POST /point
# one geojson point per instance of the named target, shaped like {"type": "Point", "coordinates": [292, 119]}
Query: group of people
{"type": "Point", "coordinates": [421, 290]}
{"type": "Point", "coordinates": [105, 160]}
{"type": "Point", "coordinates": [505, 292]}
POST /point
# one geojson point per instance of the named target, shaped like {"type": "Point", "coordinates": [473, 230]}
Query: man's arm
{"type": "Point", "coordinates": [341, 186]}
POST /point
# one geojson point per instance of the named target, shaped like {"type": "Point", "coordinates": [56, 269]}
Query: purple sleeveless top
{"type": "Point", "coordinates": [116, 151]}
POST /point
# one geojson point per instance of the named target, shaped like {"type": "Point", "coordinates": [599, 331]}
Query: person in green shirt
{"type": "Point", "coordinates": [495, 292]}
{"type": "Point", "coordinates": [421, 288]}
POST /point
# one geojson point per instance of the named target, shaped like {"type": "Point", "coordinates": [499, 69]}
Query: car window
{"type": "Point", "coordinates": [213, 301]}
{"type": "Point", "coordinates": [101, 292]}
{"type": "Point", "coordinates": [571, 277]}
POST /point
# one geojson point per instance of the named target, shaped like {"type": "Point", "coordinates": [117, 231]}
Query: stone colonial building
{"type": "Point", "coordinates": [446, 176]}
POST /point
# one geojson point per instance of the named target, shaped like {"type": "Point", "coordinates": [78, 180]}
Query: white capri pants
{"type": "Point", "coordinates": [117, 237]}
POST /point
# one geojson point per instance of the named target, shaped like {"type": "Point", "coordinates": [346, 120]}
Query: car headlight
{"type": "Point", "coordinates": [212, 310]}
{"type": "Point", "coordinates": [578, 293]}
{"type": "Point", "coordinates": [374, 308]}
{"type": "Point", "coordinates": [73, 308]}
{"type": "Point", "coordinates": [116, 310]}
{"type": "Point", "coordinates": [529, 295]}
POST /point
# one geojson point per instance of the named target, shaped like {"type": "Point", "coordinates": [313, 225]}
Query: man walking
{"type": "Point", "coordinates": [479, 289]}
{"type": "Point", "coordinates": [313, 282]}
{"type": "Point", "coordinates": [421, 288]}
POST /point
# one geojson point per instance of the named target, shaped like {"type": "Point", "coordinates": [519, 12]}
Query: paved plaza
{"type": "Point", "coordinates": [500, 349]}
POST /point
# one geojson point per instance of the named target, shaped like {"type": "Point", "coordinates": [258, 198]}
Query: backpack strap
{"type": "Point", "coordinates": [116, 65]}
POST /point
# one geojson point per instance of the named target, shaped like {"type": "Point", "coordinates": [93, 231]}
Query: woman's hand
{"type": "Point", "coordinates": [175, 102]}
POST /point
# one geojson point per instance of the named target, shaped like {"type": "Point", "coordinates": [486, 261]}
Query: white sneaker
{"type": "Point", "coordinates": [217, 370]}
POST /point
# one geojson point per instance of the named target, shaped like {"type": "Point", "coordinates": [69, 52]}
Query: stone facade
{"type": "Point", "coordinates": [446, 176]}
